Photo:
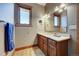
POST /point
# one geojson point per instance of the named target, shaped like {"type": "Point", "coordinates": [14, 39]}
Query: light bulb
{"type": "Point", "coordinates": [65, 8]}
{"type": "Point", "coordinates": [60, 11]}
{"type": "Point", "coordinates": [56, 9]}
{"type": "Point", "coordinates": [62, 5]}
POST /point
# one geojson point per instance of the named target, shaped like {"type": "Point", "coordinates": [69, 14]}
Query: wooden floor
{"type": "Point", "coordinates": [33, 51]}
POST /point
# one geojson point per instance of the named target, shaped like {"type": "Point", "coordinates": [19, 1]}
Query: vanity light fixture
{"type": "Point", "coordinates": [61, 10]}
{"type": "Point", "coordinates": [56, 9]}
{"type": "Point", "coordinates": [62, 5]}
{"type": "Point", "coordinates": [46, 16]}
{"type": "Point", "coordinates": [65, 8]}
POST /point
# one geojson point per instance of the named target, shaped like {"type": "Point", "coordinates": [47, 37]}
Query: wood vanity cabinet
{"type": "Point", "coordinates": [42, 43]}
{"type": "Point", "coordinates": [62, 48]}
{"type": "Point", "coordinates": [45, 46]}
{"type": "Point", "coordinates": [51, 47]}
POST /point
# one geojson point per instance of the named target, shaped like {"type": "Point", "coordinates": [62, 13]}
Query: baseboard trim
{"type": "Point", "coordinates": [21, 48]}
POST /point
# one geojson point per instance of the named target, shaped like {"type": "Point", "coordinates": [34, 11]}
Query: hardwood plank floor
{"type": "Point", "coordinates": [33, 51]}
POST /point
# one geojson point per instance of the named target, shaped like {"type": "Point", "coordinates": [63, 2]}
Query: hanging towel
{"type": "Point", "coordinates": [9, 42]}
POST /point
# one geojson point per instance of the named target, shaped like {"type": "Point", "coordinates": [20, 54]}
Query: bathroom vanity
{"type": "Point", "coordinates": [53, 44]}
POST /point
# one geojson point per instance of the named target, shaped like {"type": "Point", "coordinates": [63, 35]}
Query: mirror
{"type": "Point", "coordinates": [60, 21]}
{"type": "Point", "coordinates": [64, 21]}
{"type": "Point", "coordinates": [57, 22]}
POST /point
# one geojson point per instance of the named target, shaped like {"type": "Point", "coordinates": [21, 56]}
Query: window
{"type": "Point", "coordinates": [56, 21]}
{"type": "Point", "coordinates": [24, 15]}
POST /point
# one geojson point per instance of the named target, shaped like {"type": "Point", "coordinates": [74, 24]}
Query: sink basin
{"type": "Point", "coordinates": [57, 35]}
{"type": "Point", "coordinates": [61, 35]}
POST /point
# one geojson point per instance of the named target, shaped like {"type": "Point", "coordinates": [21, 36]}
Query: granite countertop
{"type": "Point", "coordinates": [56, 36]}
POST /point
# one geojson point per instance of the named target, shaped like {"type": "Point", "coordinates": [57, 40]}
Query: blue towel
{"type": "Point", "coordinates": [9, 42]}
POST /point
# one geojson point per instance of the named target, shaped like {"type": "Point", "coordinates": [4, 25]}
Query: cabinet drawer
{"type": "Point", "coordinates": [41, 46]}
{"type": "Point", "coordinates": [51, 42]}
{"type": "Point", "coordinates": [42, 37]}
{"type": "Point", "coordinates": [45, 41]}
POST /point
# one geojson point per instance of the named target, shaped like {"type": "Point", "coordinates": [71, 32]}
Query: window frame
{"type": "Point", "coordinates": [58, 23]}
{"type": "Point", "coordinates": [17, 8]}
{"type": "Point", "coordinates": [59, 16]}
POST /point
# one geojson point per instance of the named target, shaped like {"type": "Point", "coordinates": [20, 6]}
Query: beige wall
{"type": "Point", "coordinates": [25, 36]}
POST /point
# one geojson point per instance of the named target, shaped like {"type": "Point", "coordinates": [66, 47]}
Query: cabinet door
{"type": "Point", "coordinates": [45, 46]}
{"type": "Point", "coordinates": [45, 49]}
{"type": "Point", "coordinates": [41, 45]}
{"type": "Point", "coordinates": [51, 50]}
{"type": "Point", "coordinates": [40, 42]}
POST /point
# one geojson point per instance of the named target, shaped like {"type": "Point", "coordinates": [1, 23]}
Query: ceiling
{"type": "Point", "coordinates": [42, 4]}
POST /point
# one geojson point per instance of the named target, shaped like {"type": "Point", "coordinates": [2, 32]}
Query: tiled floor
{"type": "Point", "coordinates": [34, 51]}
